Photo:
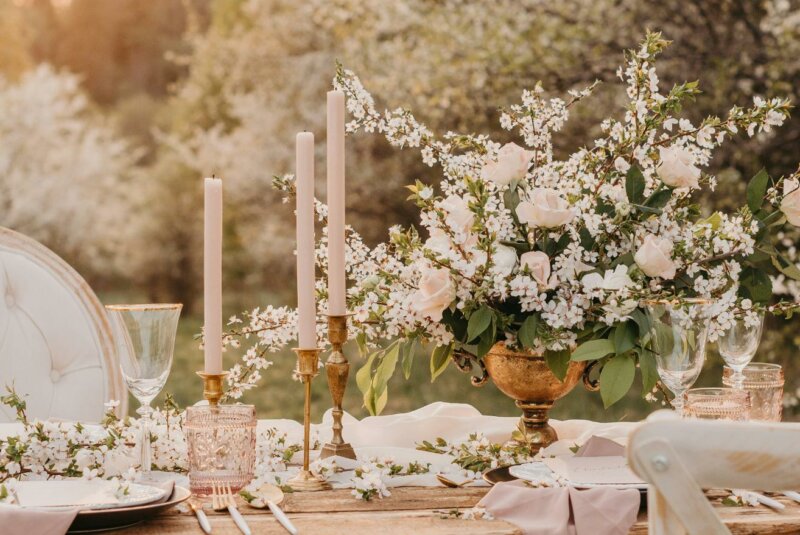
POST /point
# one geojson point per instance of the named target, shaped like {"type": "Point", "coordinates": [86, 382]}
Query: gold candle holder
{"type": "Point", "coordinates": [338, 370]}
{"type": "Point", "coordinates": [212, 386]}
{"type": "Point", "coordinates": [307, 367]}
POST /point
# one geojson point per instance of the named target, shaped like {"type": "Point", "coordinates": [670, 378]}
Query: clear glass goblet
{"type": "Point", "coordinates": [678, 334]}
{"type": "Point", "coordinates": [144, 336]}
{"type": "Point", "coordinates": [738, 345]}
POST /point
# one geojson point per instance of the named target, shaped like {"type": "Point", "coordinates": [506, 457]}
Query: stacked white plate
{"type": "Point", "coordinates": [84, 494]}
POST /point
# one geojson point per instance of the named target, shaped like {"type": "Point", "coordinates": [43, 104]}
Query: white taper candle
{"type": "Point", "coordinates": [336, 201]}
{"type": "Point", "coordinates": [306, 300]}
{"type": "Point", "coordinates": [212, 275]}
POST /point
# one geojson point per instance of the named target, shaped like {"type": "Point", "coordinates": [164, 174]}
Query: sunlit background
{"type": "Point", "coordinates": [112, 111]}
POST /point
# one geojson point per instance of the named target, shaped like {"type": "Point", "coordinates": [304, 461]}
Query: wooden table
{"type": "Point", "coordinates": [422, 511]}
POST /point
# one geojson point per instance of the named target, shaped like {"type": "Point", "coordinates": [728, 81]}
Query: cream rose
{"type": "Point", "coordinates": [511, 164]}
{"type": "Point", "coordinates": [545, 208]}
{"type": "Point", "coordinates": [436, 292]}
{"type": "Point", "coordinates": [677, 167]}
{"type": "Point", "coordinates": [458, 215]}
{"type": "Point", "coordinates": [654, 257]}
{"type": "Point", "coordinates": [504, 259]}
{"type": "Point", "coordinates": [790, 205]}
{"type": "Point", "coordinates": [439, 242]}
{"type": "Point", "coordinates": [538, 264]}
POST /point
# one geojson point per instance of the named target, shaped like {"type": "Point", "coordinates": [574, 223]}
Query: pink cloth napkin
{"type": "Point", "coordinates": [566, 510]}
{"type": "Point", "coordinates": [16, 520]}
{"type": "Point", "coordinates": [563, 510]}
{"type": "Point", "coordinates": [600, 447]}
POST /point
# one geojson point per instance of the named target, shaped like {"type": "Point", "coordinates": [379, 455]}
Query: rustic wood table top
{"type": "Point", "coordinates": [422, 511]}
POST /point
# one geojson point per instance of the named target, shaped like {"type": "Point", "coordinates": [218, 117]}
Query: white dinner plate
{"type": "Point", "coordinates": [83, 494]}
{"type": "Point", "coordinates": [581, 472]}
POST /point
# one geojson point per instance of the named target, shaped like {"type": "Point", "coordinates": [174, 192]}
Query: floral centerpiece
{"type": "Point", "coordinates": [555, 257]}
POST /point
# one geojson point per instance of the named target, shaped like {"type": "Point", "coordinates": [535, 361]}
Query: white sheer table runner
{"type": "Point", "coordinates": [398, 435]}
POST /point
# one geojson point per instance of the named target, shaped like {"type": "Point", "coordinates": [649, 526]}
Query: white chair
{"type": "Point", "coordinates": [55, 340]}
{"type": "Point", "coordinates": [679, 458]}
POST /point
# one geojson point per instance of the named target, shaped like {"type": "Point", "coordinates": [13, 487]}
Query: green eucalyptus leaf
{"type": "Point", "coordinates": [757, 190]}
{"type": "Point", "coordinates": [364, 374]}
{"type": "Point", "coordinates": [658, 199]}
{"type": "Point", "coordinates": [407, 353]}
{"type": "Point", "coordinates": [786, 267]}
{"type": "Point", "coordinates": [485, 343]}
{"type": "Point", "coordinates": [616, 379]}
{"type": "Point", "coordinates": [558, 362]}
{"type": "Point", "coordinates": [479, 321]}
{"type": "Point", "coordinates": [440, 358]}
{"type": "Point", "coordinates": [648, 369]}
{"type": "Point", "coordinates": [625, 337]}
{"type": "Point", "coordinates": [527, 332]}
{"type": "Point", "coordinates": [386, 368]}
{"type": "Point", "coordinates": [593, 350]}
{"type": "Point", "coordinates": [755, 284]}
{"type": "Point", "coordinates": [634, 185]}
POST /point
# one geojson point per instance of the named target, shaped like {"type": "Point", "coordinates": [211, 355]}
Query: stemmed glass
{"type": "Point", "coordinates": [738, 345]}
{"type": "Point", "coordinates": [678, 333]}
{"type": "Point", "coordinates": [144, 336]}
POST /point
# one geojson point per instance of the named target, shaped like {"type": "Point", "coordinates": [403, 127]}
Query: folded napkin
{"type": "Point", "coordinates": [16, 520]}
{"type": "Point", "coordinates": [567, 510]}
{"type": "Point", "coordinates": [563, 510]}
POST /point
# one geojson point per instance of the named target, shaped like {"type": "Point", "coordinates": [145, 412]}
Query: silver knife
{"type": "Point", "coordinates": [202, 519]}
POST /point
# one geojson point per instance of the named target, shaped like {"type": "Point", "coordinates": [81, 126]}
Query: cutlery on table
{"type": "Point", "coordinates": [202, 519]}
{"type": "Point", "coordinates": [792, 495]}
{"type": "Point", "coordinates": [222, 499]}
{"type": "Point", "coordinates": [272, 495]}
{"type": "Point", "coordinates": [447, 482]}
{"type": "Point", "coordinates": [765, 500]}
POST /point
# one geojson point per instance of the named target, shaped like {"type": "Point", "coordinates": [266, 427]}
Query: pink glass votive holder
{"type": "Point", "coordinates": [221, 440]}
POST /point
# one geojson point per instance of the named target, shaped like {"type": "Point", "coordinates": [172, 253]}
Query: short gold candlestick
{"type": "Point", "coordinates": [212, 386]}
{"type": "Point", "coordinates": [338, 369]}
{"type": "Point", "coordinates": [307, 368]}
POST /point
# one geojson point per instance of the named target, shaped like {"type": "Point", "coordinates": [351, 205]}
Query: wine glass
{"type": "Point", "coordinates": [144, 336]}
{"type": "Point", "coordinates": [678, 333]}
{"type": "Point", "coordinates": [738, 345]}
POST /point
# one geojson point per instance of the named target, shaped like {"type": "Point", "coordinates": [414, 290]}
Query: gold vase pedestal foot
{"type": "Point", "coordinates": [525, 377]}
{"type": "Point", "coordinates": [305, 481]}
{"type": "Point", "coordinates": [534, 425]}
{"type": "Point", "coordinates": [338, 370]}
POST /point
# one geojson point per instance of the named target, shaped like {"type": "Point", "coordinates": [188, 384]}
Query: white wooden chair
{"type": "Point", "coordinates": [679, 458]}
{"type": "Point", "coordinates": [55, 340]}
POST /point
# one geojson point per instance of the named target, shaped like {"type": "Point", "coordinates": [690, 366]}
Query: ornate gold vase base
{"type": "Point", "coordinates": [305, 481]}
{"type": "Point", "coordinates": [534, 426]}
{"type": "Point", "coordinates": [525, 377]}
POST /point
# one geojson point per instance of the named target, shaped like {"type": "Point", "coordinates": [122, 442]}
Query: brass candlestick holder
{"type": "Point", "coordinates": [307, 367]}
{"type": "Point", "coordinates": [212, 386]}
{"type": "Point", "coordinates": [338, 369]}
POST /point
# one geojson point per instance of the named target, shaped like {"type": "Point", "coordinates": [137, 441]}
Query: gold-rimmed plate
{"type": "Point", "coordinates": [123, 517]}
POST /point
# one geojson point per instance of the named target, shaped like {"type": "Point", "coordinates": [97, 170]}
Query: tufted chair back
{"type": "Point", "coordinates": [55, 341]}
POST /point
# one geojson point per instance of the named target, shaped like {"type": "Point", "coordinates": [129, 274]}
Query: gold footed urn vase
{"type": "Point", "coordinates": [525, 377]}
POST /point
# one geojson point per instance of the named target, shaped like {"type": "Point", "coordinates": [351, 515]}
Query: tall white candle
{"type": "Point", "coordinates": [212, 275]}
{"type": "Point", "coordinates": [306, 300]}
{"type": "Point", "coordinates": [336, 262]}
